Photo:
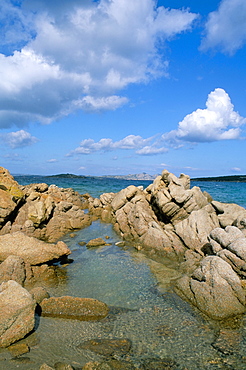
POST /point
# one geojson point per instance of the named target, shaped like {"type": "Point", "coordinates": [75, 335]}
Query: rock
{"type": "Point", "coordinates": [46, 367]}
{"type": "Point", "coordinates": [10, 195]}
{"type": "Point", "coordinates": [214, 288]}
{"type": "Point", "coordinates": [228, 341]}
{"type": "Point", "coordinates": [194, 230]}
{"type": "Point", "coordinates": [228, 213]}
{"type": "Point", "coordinates": [159, 364]}
{"type": "Point", "coordinates": [95, 243]}
{"type": "Point", "coordinates": [232, 249]}
{"type": "Point", "coordinates": [18, 349]}
{"type": "Point", "coordinates": [17, 309]}
{"type": "Point", "coordinates": [85, 309]}
{"type": "Point", "coordinates": [110, 364]}
{"type": "Point", "coordinates": [13, 268]}
{"type": "Point", "coordinates": [39, 294]}
{"type": "Point", "coordinates": [31, 250]}
{"type": "Point", "coordinates": [107, 347]}
{"type": "Point", "coordinates": [95, 365]}
{"type": "Point", "coordinates": [62, 366]}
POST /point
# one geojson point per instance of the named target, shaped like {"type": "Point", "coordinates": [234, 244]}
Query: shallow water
{"type": "Point", "coordinates": [158, 323]}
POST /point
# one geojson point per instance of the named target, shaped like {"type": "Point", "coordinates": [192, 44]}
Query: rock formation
{"type": "Point", "coordinates": [171, 219]}
{"type": "Point", "coordinates": [45, 212]}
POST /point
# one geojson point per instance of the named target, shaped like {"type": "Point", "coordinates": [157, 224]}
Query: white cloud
{"type": "Point", "coordinates": [52, 160]}
{"type": "Point", "coordinates": [18, 139]}
{"type": "Point", "coordinates": [69, 55]}
{"type": "Point", "coordinates": [236, 169]}
{"type": "Point", "coordinates": [218, 121]}
{"type": "Point", "coordinates": [151, 150]}
{"type": "Point", "coordinates": [130, 142]}
{"type": "Point", "coordinates": [226, 27]}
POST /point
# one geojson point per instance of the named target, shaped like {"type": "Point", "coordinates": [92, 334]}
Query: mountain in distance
{"type": "Point", "coordinates": [230, 178]}
{"type": "Point", "coordinates": [139, 176]}
{"type": "Point", "coordinates": [67, 176]}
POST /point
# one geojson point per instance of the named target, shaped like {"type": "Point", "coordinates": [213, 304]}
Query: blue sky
{"type": "Point", "coordinates": [116, 87]}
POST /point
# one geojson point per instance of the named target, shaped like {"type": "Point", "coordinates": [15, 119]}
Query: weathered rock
{"type": "Point", "coordinates": [228, 341]}
{"type": "Point", "coordinates": [17, 309]}
{"type": "Point", "coordinates": [18, 349]}
{"type": "Point", "coordinates": [31, 250]}
{"type": "Point", "coordinates": [46, 367]}
{"type": "Point", "coordinates": [194, 230]}
{"type": "Point", "coordinates": [228, 213]}
{"type": "Point", "coordinates": [95, 243]}
{"type": "Point", "coordinates": [39, 294]}
{"type": "Point", "coordinates": [214, 288]}
{"type": "Point", "coordinates": [85, 309]}
{"type": "Point", "coordinates": [232, 249]}
{"type": "Point", "coordinates": [159, 364]}
{"type": "Point", "coordinates": [107, 347]}
{"type": "Point", "coordinates": [13, 268]}
{"type": "Point", "coordinates": [10, 195]}
{"type": "Point", "coordinates": [62, 366]}
{"type": "Point", "coordinates": [109, 364]}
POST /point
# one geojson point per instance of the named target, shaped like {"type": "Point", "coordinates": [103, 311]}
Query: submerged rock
{"type": "Point", "coordinates": [107, 347]}
{"type": "Point", "coordinates": [85, 309]}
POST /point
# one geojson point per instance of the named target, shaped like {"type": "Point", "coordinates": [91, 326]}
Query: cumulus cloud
{"type": "Point", "coordinates": [130, 142]}
{"type": "Point", "coordinates": [218, 121]}
{"type": "Point", "coordinates": [71, 54]}
{"type": "Point", "coordinates": [226, 27]}
{"type": "Point", "coordinates": [18, 139]}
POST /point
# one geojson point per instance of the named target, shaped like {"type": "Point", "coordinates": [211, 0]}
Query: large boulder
{"type": "Point", "coordinates": [214, 288]}
{"type": "Point", "coordinates": [31, 250]}
{"type": "Point", "coordinates": [10, 195]}
{"type": "Point", "coordinates": [85, 309]}
{"type": "Point", "coordinates": [17, 308]}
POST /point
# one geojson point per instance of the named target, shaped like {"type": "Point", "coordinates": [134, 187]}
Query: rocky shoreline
{"type": "Point", "coordinates": [168, 219]}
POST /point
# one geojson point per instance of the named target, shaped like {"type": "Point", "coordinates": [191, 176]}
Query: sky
{"type": "Point", "coordinates": [117, 87]}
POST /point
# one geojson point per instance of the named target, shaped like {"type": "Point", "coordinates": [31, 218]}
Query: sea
{"type": "Point", "coordinates": [138, 291]}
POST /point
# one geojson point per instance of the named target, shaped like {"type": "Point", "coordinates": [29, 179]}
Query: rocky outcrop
{"type": "Point", "coordinates": [45, 212]}
{"type": "Point", "coordinates": [214, 288]}
{"type": "Point", "coordinates": [85, 309]}
{"type": "Point", "coordinates": [17, 308]}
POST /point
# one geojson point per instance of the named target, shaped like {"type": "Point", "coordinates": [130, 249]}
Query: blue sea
{"type": "Point", "coordinates": [229, 192]}
{"type": "Point", "coordinates": [138, 291]}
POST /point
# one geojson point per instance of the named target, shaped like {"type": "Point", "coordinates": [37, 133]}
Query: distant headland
{"type": "Point", "coordinates": [230, 178]}
{"type": "Point", "coordinates": [139, 176]}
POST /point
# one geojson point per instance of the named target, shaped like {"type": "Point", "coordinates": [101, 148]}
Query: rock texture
{"type": "Point", "coordinates": [207, 237]}
{"type": "Point", "coordinates": [31, 250]}
{"type": "Point", "coordinates": [85, 309]}
{"type": "Point", "coordinates": [45, 212]}
{"type": "Point", "coordinates": [214, 288]}
{"type": "Point", "coordinates": [17, 308]}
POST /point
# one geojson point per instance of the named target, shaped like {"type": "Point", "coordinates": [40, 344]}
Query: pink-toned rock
{"type": "Point", "coordinates": [17, 308]}
{"type": "Point", "coordinates": [13, 268]}
{"type": "Point", "coordinates": [31, 250]}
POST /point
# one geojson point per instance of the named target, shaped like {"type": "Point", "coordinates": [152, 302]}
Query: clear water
{"type": "Point", "coordinates": [137, 289]}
